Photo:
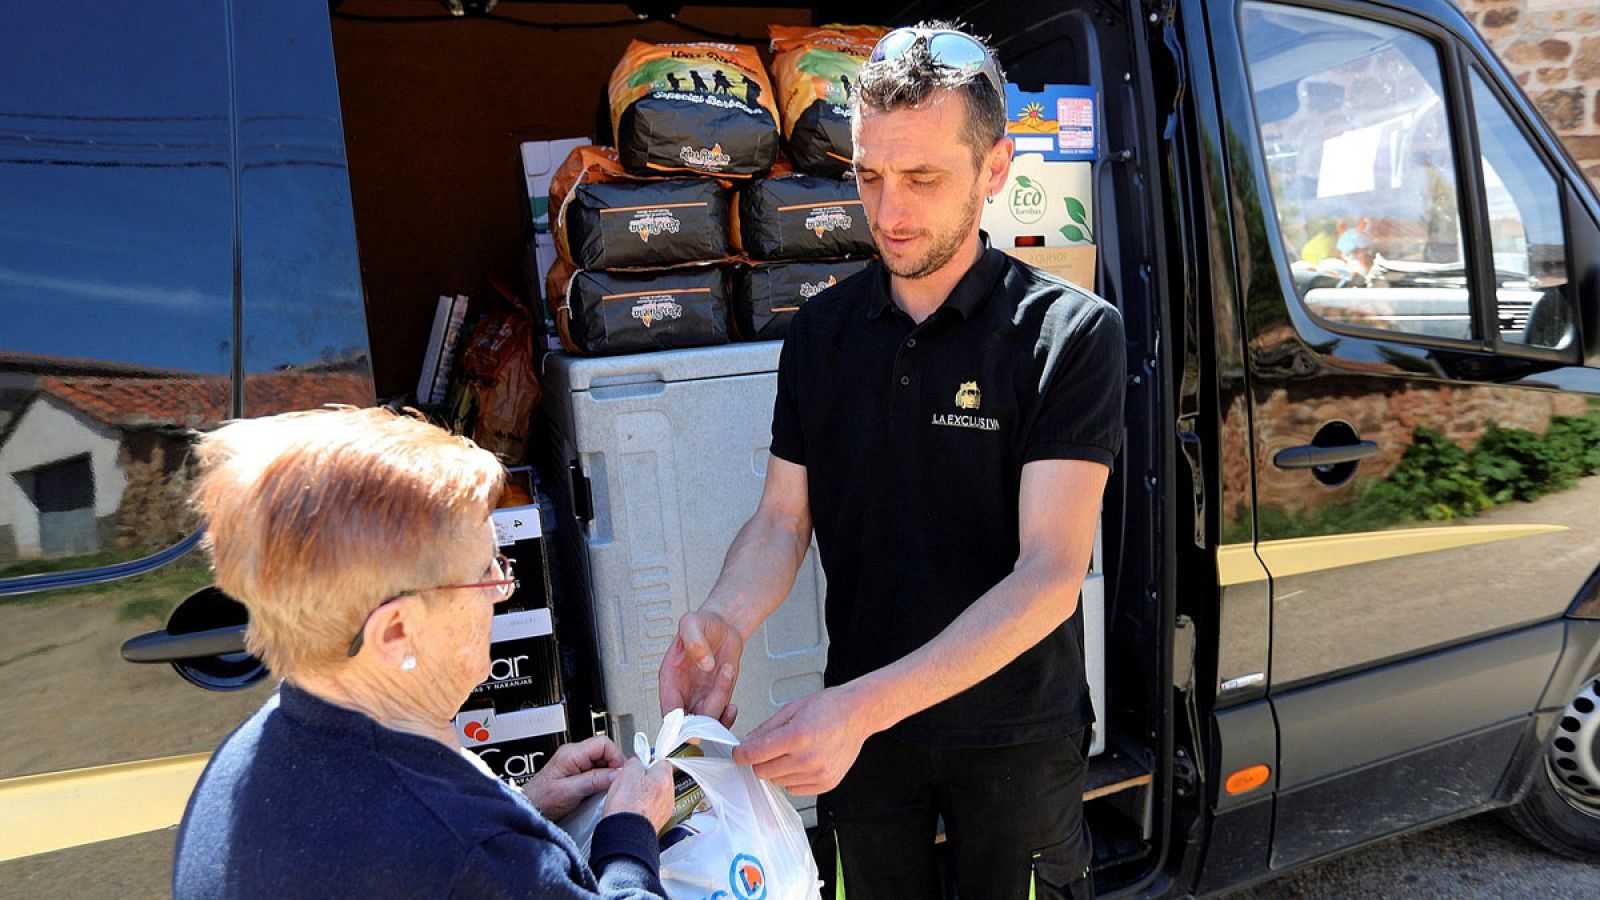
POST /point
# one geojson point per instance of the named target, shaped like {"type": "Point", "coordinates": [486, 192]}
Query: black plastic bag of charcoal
{"type": "Point", "coordinates": [816, 71]}
{"type": "Point", "coordinates": [632, 312]}
{"type": "Point", "coordinates": [701, 107]}
{"type": "Point", "coordinates": [620, 225]}
{"type": "Point", "coordinates": [803, 217]}
{"type": "Point", "coordinates": [766, 296]}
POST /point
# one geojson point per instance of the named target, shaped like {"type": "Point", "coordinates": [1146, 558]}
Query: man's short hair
{"type": "Point", "coordinates": [315, 518]}
{"type": "Point", "coordinates": [909, 80]}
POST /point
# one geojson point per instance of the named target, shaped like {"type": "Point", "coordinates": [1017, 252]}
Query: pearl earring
{"type": "Point", "coordinates": [409, 663]}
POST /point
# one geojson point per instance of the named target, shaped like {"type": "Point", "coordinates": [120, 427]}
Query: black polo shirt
{"type": "Point", "coordinates": [914, 438]}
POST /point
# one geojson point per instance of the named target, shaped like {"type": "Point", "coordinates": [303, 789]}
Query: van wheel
{"type": "Point", "coordinates": [1562, 810]}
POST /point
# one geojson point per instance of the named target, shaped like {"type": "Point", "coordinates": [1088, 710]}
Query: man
{"type": "Point", "coordinates": [946, 421]}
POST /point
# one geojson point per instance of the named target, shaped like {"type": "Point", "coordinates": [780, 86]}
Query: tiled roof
{"type": "Point", "coordinates": [196, 401]}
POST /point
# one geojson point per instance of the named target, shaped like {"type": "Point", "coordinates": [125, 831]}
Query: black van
{"type": "Point", "coordinates": [1351, 578]}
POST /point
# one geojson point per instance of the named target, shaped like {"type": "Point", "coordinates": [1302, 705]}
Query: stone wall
{"type": "Point", "coordinates": [1289, 417]}
{"type": "Point", "coordinates": [1553, 47]}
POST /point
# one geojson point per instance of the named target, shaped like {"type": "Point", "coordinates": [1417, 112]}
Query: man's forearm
{"type": "Point", "coordinates": [759, 570]}
{"type": "Point", "coordinates": [1005, 622]}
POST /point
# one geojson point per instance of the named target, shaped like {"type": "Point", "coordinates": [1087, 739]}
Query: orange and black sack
{"type": "Point", "coordinates": [584, 165]}
{"type": "Point", "coordinates": [624, 225]}
{"type": "Point", "coordinates": [766, 296]}
{"type": "Point", "coordinates": [703, 108]}
{"type": "Point", "coordinates": [803, 217]}
{"type": "Point", "coordinates": [817, 70]}
{"type": "Point", "coordinates": [633, 312]}
{"type": "Point", "coordinates": [555, 284]}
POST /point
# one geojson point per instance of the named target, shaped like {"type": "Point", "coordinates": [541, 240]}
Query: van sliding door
{"type": "Point", "coordinates": [1400, 367]}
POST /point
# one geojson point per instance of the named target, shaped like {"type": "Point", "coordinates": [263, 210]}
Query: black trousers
{"type": "Point", "coordinates": [1013, 817]}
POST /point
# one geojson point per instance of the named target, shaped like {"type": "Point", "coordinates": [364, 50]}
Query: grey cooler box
{"type": "Point", "coordinates": [673, 447]}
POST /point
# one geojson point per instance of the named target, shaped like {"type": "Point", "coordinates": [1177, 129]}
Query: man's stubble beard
{"type": "Point", "coordinates": [944, 248]}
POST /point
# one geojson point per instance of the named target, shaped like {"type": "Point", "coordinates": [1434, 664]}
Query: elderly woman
{"type": "Point", "coordinates": [360, 542]}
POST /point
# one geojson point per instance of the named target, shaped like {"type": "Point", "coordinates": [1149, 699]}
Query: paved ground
{"type": "Point", "coordinates": [1474, 858]}
{"type": "Point", "coordinates": [1477, 857]}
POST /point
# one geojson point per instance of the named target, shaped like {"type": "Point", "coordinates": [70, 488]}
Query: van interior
{"type": "Point", "coordinates": [435, 105]}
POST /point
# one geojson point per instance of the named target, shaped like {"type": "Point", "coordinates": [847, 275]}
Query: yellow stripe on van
{"type": "Point", "coordinates": [1237, 564]}
{"type": "Point", "coordinates": [57, 810]}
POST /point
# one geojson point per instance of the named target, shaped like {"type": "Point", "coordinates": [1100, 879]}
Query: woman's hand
{"type": "Point", "coordinates": [574, 773]}
{"type": "Point", "coordinates": [647, 792]}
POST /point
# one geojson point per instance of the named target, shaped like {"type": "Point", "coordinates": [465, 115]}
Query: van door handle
{"type": "Point", "coordinates": [163, 646]}
{"type": "Point", "coordinates": [1310, 456]}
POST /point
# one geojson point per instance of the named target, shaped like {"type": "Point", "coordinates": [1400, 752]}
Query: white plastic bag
{"type": "Point", "coordinates": [749, 845]}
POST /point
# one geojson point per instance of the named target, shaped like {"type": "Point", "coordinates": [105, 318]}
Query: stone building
{"type": "Point", "coordinates": [1553, 47]}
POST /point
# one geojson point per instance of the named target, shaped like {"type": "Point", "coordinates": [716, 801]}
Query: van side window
{"type": "Point", "coordinates": [1357, 144]}
{"type": "Point", "coordinates": [1526, 236]}
{"type": "Point", "coordinates": [116, 283]}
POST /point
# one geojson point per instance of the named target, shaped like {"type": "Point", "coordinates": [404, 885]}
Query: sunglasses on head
{"type": "Point", "coordinates": [953, 49]}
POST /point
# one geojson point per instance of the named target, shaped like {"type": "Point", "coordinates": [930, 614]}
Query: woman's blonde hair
{"type": "Point", "coordinates": [315, 518]}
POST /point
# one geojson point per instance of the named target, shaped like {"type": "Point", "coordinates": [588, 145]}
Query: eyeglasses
{"type": "Point", "coordinates": [504, 586]}
{"type": "Point", "coordinates": [952, 49]}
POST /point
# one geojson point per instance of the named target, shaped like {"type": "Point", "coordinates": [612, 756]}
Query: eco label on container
{"type": "Point", "coordinates": [519, 523]}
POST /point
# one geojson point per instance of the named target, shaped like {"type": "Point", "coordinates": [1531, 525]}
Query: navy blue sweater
{"type": "Point", "coordinates": [309, 799]}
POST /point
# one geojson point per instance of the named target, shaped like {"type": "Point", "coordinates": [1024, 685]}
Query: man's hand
{"type": "Point", "coordinates": [702, 667]}
{"type": "Point", "coordinates": [573, 774]}
{"type": "Point", "coordinates": [809, 745]}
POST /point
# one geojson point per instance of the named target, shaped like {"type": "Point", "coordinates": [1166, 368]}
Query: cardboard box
{"type": "Point", "coordinates": [519, 532]}
{"type": "Point", "coordinates": [1044, 216]}
{"type": "Point", "coordinates": [525, 664]}
{"type": "Point", "coordinates": [1074, 264]}
{"type": "Point", "coordinates": [540, 159]}
{"type": "Point", "coordinates": [1043, 204]}
{"type": "Point", "coordinates": [515, 745]}
{"type": "Point", "coordinates": [1057, 122]}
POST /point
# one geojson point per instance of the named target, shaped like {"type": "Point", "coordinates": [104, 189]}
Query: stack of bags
{"type": "Point", "coordinates": [694, 222]}
{"type": "Point", "coordinates": [641, 261]}
{"type": "Point", "coordinates": [805, 232]}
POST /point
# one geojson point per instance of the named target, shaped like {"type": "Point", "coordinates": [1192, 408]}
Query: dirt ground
{"type": "Point", "coordinates": [70, 700]}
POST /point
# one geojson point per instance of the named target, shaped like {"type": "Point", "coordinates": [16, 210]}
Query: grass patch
{"type": "Point", "coordinates": [101, 559]}
{"type": "Point", "coordinates": [147, 608]}
{"type": "Point", "coordinates": [142, 596]}
{"type": "Point", "coordinates": [29, 654]}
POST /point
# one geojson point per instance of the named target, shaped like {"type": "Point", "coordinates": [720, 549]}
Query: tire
{"type": "Point", "coordinates": [1562, 810]}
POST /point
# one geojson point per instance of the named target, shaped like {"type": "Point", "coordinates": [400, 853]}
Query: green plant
{"type": "Point", "coordinates": [1435, 480]}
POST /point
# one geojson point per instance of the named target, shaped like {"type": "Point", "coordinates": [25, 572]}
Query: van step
{"type": "Point", "coordinates": [1111, 772]}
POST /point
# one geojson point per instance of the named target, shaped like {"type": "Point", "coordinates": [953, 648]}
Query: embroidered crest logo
{"type": "Point", "coordinates": [968, 396]}
{"type": "Point", "coordinates": [968, 399]}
